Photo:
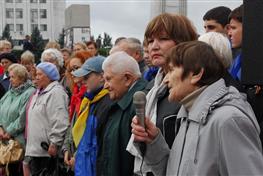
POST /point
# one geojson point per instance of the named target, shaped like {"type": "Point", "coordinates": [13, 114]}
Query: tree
{"type": "Point", "coordinates": [37, 42]}
{"type": "Point", "coordinates": [61, 39]}
{"type": "Point", "coordinates": [107, 41]}
{"type": "Point", "coordinates": [6, 34]}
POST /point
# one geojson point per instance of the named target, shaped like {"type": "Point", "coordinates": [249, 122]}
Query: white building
{"type": "Point", "coordinates": [175, 6]}
{"type": "Point", "coordinates": [77, 28]}
{"type": "Point", "coordinates": [24, 15]}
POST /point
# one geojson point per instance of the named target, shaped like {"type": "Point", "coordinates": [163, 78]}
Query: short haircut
{"type": "Point", "coordinates": [82, 45]}
{"type": "Point", "coordinates": [132, 45]}
{"type": "Point", "coordinates": [52, 44]}
{"type": "Point", "coordinates": [178, 27]}
{"type": "Point", "coordinates": [192, 57]}
{"type": "Point", "coordinates": [221, 44]}
{"type": "Point", "coordinates": [28, 56]}
{"type": "Point", "coordinates": [118, 40]}
{"type": "Point", "coordinates": [66, 50]}
{"type": "Point", "coordinates": [92, 43]}
{"type": "Point", "coordinates": [19, 70]}
{"type": "Point", "coordinates": [4, 43]}
{"type": "Point", "coordinates": [55, 55]}
{"type": "Point", "coordinates": [237, 14]}
{"type": "Point", "coordinates": [120, 62]}
{"type": "Point", "coordinates": [82, 55]}
{"type": "Point", "coordinates": [219, 14]}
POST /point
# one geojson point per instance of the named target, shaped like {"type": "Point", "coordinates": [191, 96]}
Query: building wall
{"type": "Point", "coordinates": [77, 27]}
{"type": "Point", "coordinates": [48, 15]}
{"type": "Point", "coordinates": [175, 6]}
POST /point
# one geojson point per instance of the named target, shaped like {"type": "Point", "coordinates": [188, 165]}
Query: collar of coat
{"type": "Point", "coordinates": [125, 101]}
{"type": "Point", "coordinates": [205, 102]}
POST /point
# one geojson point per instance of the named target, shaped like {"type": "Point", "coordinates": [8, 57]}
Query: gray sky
{"type": "Point", "coordinates": [129, 17]}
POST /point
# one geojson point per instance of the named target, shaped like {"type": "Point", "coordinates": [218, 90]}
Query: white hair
{"type": "Point", "coordinates": [120, 62]}
{"type": "Point", "coordinates": [55, 54]}
{"type": "Point", "coordinates": [221, 45]}
{"type": "Point", "coordinates": [132, 45]}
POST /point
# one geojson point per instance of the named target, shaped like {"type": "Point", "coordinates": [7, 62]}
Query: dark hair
{"type": "Point", "coordinates": [237, 14]}
{"type": "Point", "coordinates": [177, 27]}
{"type": "Point", "coordinates": [219, 14]}
{"type": "Point", "coordinates": [92, 43]}
{"type": "Point", "coordinates": [193, 56]}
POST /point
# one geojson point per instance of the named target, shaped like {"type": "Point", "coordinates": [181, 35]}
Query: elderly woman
{"type": "Point", "coordinates": [47, 118]}
{"type": "Point", "coordinates": [28, 60]}
{"type": "Point", "coordinates": [53, 56]}
{"type": "Point", "coordinates": [13, 118]}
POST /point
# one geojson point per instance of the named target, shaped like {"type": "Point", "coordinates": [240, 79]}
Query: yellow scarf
{"type": "Point", "coordinates": [80, 125]}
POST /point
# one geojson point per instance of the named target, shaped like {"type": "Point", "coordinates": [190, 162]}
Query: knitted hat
{"type": "Point", "coordinates": [50, 70]}
{"type": "Point", "coordinates": [8, 56]}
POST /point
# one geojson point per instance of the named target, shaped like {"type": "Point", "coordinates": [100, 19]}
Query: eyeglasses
{"type": "Point", "coordinates": [74, 68]}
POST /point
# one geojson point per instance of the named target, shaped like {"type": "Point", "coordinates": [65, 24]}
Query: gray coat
{"type": "Point", "coordinates": [47, 117]}
{"type": "Point", "coordinates": [219, 136]}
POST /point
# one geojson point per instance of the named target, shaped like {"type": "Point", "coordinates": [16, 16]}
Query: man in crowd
{"type": "Point", "coordinates": [216, 19]}
{"type": "Point", "coordinates": [122, 79]}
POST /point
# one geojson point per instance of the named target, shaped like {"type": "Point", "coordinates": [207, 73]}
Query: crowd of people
{"type": "Point", "coordinates": [75, 109]}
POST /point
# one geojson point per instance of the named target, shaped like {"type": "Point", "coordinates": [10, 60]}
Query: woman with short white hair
{"type": "Point", "coordinates": [222, 47]}
{"type": "Point", "coordinates": [13, 109]}
{"type": "Point", "coordinates": [53, 56]}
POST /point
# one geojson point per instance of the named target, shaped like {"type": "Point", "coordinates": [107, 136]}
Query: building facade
{"type": "Point", "coordinates": [77, 28]}
{"type": "Point", "coordinates": [175, 6]}
{"type": "Point", "coordinates": [22, 16]}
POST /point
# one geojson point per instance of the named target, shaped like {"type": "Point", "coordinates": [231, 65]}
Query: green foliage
{"type": "Point", "coordinates": [61, 39]}
{"type": "Point", "coordinates": [6, 34]}
{"type": "Point", "coordinates": [17, 53]}
{"type": "Point", "coordinates": [104, 51]}
{"type": "Point", "coordinates": [38, 43]}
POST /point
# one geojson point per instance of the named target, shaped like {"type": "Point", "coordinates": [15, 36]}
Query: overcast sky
{"type": "Point", "coordinates": [129, 17]}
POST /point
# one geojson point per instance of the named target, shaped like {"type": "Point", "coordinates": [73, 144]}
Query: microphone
{"type": "Point", "coordinates": [139, 101]}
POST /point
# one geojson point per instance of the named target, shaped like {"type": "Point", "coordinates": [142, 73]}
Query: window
{"type": "Point", "coordinates": [33, 26]}
{"type": "Point", "coordinates": [11, 27]}
{"type": "Point", "coordinates": [43, 13]}
{"type": "Point", "coordinates": [9, 1]}
{"type": "Point", "coordinates": [19, 27]}
{"type": "Point", "coordinates": [9, 13]}
{"type": "Point", "coordinates": [34, 15]}
{"type": "Point", "coordinates": [43, 27]}
{"type": "Point", "coordinates": [83, 39]}
{"type": "Point", "coordinates": [18, 1]}
{"type": "Point", "coordinates": [85, 30]}
{"type": "Point", "coordinates": [43, 1]}
{"type": "Point", "coordinates": [33, 1]}
{"type": "Point", "coordinates": [19, 13]}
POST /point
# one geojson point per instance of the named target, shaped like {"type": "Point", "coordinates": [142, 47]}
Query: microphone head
{"type": "Point", "coordinates": [139, 98]}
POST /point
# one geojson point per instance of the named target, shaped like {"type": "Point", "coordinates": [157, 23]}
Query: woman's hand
{"type": "Point", "coordinates": [146, 134]}
{"type": "Point", "coordinates": [66, 158]}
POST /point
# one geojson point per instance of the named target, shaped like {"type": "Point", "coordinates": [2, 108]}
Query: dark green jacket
{"type": "Point", "coordinates": [113, 159]}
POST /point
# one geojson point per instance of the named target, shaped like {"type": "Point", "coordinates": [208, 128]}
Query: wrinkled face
{"type": "Point", "coordinates": [158, 47]}
{"type": "Point", "coordinates": [27, 64]}
{"type": "Point", "coordinates": [6, 63]}
{"type": "Point", "coordinates": [75, 64]}
{"type": "Point", "coordinates": [235, 33]}
{"type": "Point", "coordinates": [6, 49]}
{"type": "Point", "coordinates": [213, 26]}
{"type": "Point", "coordinates": [115, 83]}
{"type": "Point", "coordinates": [178, 88]}
{"type": "Point", "coordinates": [91, 48]}
{"type": "Point", "coordinates": [42, 81]}
{"type": "Point", "coordinates": [15, 80]}
{"type": "Point", "coordinates": [93, 81]}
